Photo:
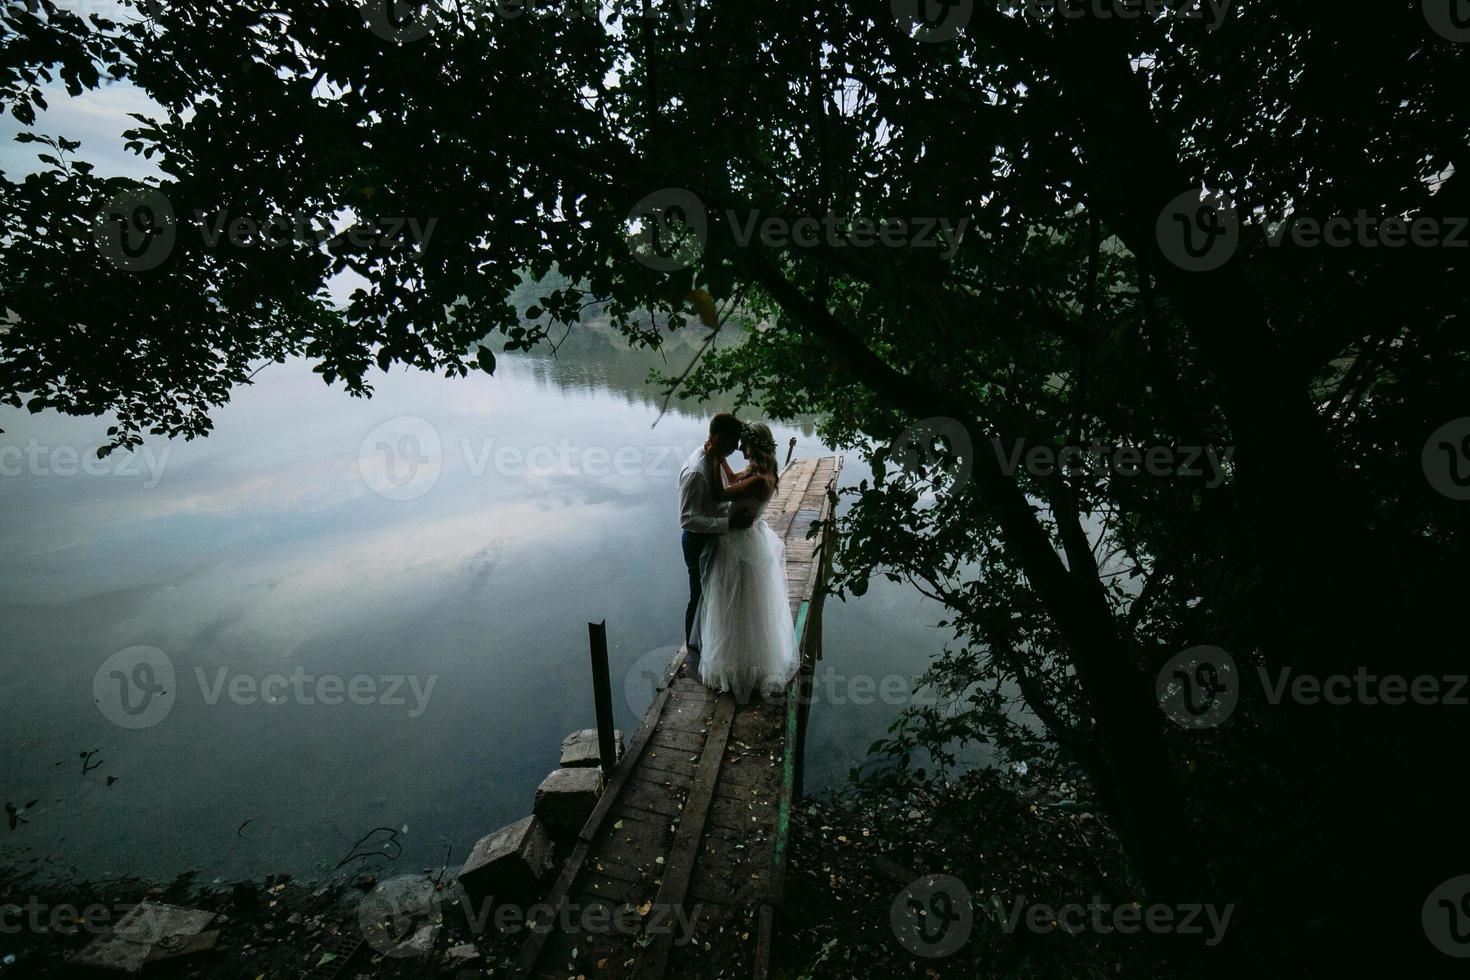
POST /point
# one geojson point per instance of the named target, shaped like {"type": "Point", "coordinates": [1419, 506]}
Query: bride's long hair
{"type": "Point", "coordinates": [760, 449]}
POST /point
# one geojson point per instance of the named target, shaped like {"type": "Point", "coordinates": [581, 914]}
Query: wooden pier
{"type": "Point", "coordinates": [687, 846]}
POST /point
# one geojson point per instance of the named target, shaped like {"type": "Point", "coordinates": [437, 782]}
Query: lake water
{"type": "Point", "coordinates": [436, 551]}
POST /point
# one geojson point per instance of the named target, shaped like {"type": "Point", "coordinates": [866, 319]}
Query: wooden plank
{"type": "Point", "coordinates": [663, 800]}
{"type": "Point", "coordinates": [653, 961]}
{"type": "Point", "coordinates": [527, 960]}
{"type": "Point", "coordinates": [765, 936]}
{"type": "Point", "coordinates": [676, 741]}
{"type": "Point", "coordinates": [819, 499]}
{"type": "Point", "coordinates": [622, 808]}
{"type": "Point", "coordinates": [612, 887]}
{"type": "Point", "coordinates": [531, 952]}
{"type": "Point", "coordinates": [635, 749]}
{"type": "Point", "coordinates": [663, 777]}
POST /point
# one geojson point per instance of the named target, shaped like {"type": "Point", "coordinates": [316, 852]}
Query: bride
{"type": "Point", "coordinates": [744, 619]}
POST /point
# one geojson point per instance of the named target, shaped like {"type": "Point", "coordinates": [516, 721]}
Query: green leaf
{"type": "Point", "coordinates": [486, 357]}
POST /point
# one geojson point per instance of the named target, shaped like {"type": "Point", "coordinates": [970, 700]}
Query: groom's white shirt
{"type": "Point", "coordinates": [698, 510]}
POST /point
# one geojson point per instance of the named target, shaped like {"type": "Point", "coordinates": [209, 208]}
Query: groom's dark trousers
{"type": "Point", "coordinates": [694, 545]}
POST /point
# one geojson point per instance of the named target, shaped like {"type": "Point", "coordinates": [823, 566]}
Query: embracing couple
{"type": "Point", "coordinates": [738, 623]}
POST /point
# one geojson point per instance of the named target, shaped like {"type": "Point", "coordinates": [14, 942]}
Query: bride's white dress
{"type": "Point", "coordinates": [744, 618]}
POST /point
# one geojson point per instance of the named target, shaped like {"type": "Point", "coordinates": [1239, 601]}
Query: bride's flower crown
{"type": "Point", "coordinates": [759, 439]}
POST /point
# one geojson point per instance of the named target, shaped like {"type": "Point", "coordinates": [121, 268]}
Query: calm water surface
{"type": "Point", "coordinates": [442, 546]}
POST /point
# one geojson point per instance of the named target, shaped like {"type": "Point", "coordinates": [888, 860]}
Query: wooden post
{"type": "Point", "coordinates": [602, 696]}
{"type": "Point", "coordinates": [790, 448]}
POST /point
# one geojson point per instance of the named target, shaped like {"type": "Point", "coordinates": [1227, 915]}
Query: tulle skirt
{"type": "Point", "coordinates": [744, 616]}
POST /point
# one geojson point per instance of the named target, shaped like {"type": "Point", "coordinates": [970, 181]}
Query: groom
{"type": "Point", "coordinates": [704, 514]}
